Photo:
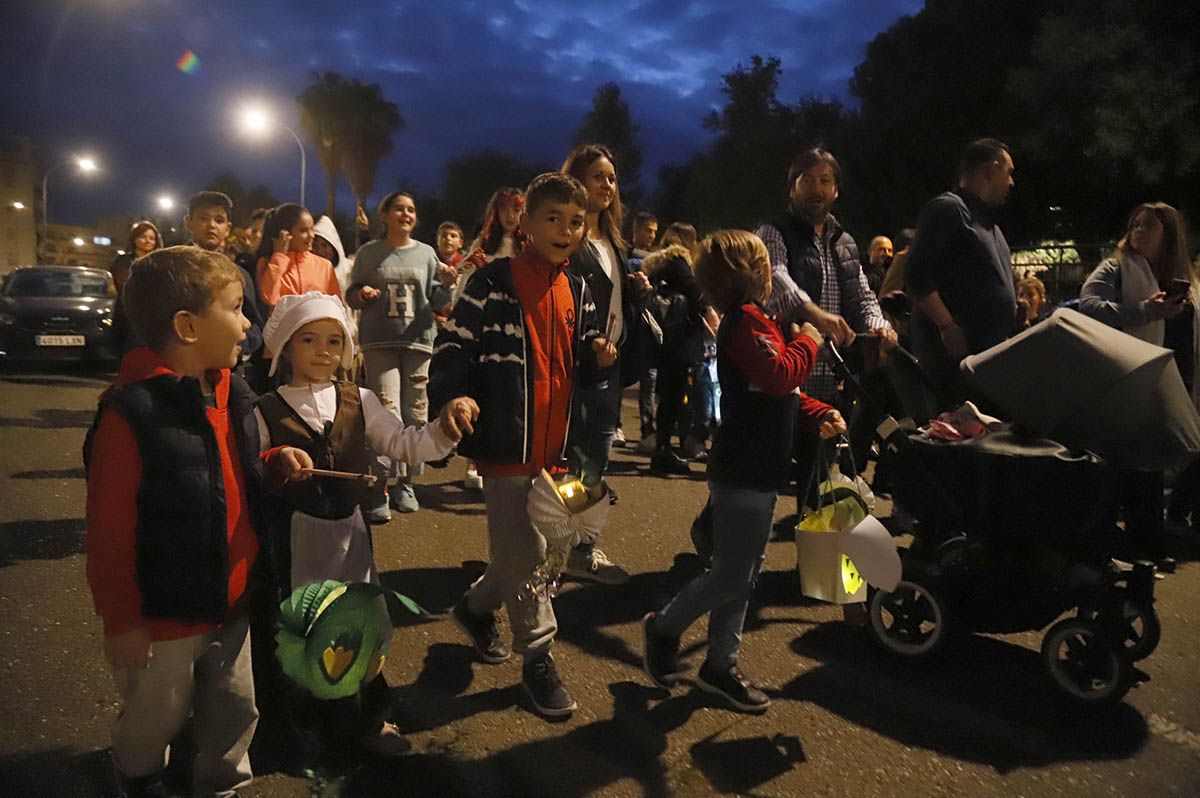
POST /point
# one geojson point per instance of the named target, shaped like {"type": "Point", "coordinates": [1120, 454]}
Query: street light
{"type": "Point", "coordinates": [18, 205]}
{"type": "Point", "coordinates": [77, 241]}
{"type": "Point", "coordinates": [165, 203]}
{"type": "Point", "coordinates": [257, 121]}
{"type": "Point", "coordinates": [85, 164]}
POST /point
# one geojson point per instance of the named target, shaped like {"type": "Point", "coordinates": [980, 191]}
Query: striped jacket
{"type": "Point", "coordinates": [483, 352]}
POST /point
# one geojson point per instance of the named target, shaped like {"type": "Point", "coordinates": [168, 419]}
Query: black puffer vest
{"type": "Point", "coordinates": [804, 262]}
{"type": "Point", "coordinates": [182, 551]}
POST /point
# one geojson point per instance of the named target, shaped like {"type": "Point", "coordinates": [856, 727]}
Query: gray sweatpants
{"type": "Point", "coordinates": [516, 550]}
{"type": "Point", "coordinates": [207, 675]}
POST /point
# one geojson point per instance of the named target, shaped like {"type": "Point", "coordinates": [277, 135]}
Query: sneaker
{"type": "Point", "coordinates": [143, 787]}
{"type": "Point", "coordinates": [660, 655]}
{"type": "Point", "coordinates": [378, 515]}
{"type": "Point", "coordinates": [648, 444]}
{"type": "Point", "coordinates": [692, 448]}
{"type": "Point", "coordinates": [472, 481]}
{"type": "Point", "coordinates": [613, 498]}
{"type": "Point", "coordinates": [667, 462]}
{"type": "Point", "coordinates": [733, 687]}
{"type": "Point", "coordinates": [481, 631]}
{"type": "Point", "coordinates": [403, 499]}
{"type": "Point", "coordinates": [619, 437]}
{"type": "Point", "coordinates": [540, 679]}
{"type": "Point", "coordinates": [595, 566]}
{"type": "Point", "coordinates": [387, 741]}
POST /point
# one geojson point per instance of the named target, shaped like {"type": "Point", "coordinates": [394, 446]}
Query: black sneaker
{"type": "Point", "coordinates": [660, 655]}
{"type": "Point", "coordinates": [667, 462]}
{"type": "Point", "coordinates": [481, 631]}
{"type": "Point", "coordinates": [546, 690]}
{"type": "Point", "coordinates": [733, 687]}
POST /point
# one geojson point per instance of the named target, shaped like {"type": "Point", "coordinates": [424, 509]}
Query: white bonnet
{"type": "Point", "coordinates": [293, 311]}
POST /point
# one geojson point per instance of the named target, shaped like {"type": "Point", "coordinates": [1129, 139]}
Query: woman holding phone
{"type": "Point", "coordinates": [1144, 288]}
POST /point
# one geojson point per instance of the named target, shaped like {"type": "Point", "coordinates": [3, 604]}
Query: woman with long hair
{"type": "Point", "coordinates": [1144, 288]}
{"type": "Point", "coordinates": [286, 262]}
{"type": "Point", "coordinates": [144, 238]}
{"type": "Point", "coordinates": [620, 294]}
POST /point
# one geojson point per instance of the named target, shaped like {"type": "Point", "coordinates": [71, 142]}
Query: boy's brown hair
{"type": "Point", "coordinates": [554, 187]}
{"type": "Point", "coordinates": [447, 226]}
{"type": "Point", "coordinates": [733, 268]}
{"type": "Point", "coordinates": [170, 280]}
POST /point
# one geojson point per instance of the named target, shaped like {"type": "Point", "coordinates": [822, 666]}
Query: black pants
{"type": "Point", "coordinates": [1142, 508]}
{"type": "Point", "coordinates": [671, 387]}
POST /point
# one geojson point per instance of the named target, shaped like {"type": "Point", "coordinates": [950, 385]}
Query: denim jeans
{"type": "Point", "coordinates": [598, 409]}
{"type": "Point", "coordinates": [741, 525]}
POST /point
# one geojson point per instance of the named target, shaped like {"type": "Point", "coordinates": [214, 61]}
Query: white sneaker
{"type": "Point", "coordinates": [472, 481]}
{"type": "Point", "coordinates": [595, 568]}
{"type": "Point", "coordinates": [619, 437]}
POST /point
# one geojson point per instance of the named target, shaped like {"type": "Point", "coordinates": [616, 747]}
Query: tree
{"type": "Point", "coordinates": [245, 200]}
{"type": "Point", "coordinates": [365, 135]}
{"type": "Point", "coordinates": [610, 123]}
{"type": "Point", "coordinates": [469, 180]}
{"type": "Point", "coordinates": [323, 112]}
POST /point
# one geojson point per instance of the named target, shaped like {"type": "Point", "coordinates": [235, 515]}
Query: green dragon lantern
{"type": "Point", "coordinates": [332, 637]}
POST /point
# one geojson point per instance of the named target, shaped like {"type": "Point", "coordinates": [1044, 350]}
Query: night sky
{"type": "Point", "coordinates": [100, 76]}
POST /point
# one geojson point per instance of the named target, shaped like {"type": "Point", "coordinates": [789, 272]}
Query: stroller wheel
{"type": "Point", "coordinates": [1141, 631]}
{"type": "Point", "coordinates": [910, 621]}
{"type": "Point", "coordinates": [1083, 663]}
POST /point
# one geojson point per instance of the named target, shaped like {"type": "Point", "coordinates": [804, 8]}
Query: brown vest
{"type": "Point", "coordinates": [341, 446]}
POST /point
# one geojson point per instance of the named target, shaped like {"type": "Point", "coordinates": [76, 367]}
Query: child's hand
{"type": "Point", "coordinates": [368, 293]}
{"type": "Point", "coordinates": [606, 351]}
{"type": "Point", "coordinates": [292, 462]}
{"type": "Point", "coordinates": [809, 330]}
{"type": "Point", "coordinates": [832, 424]}
{"type": "Point", "coordinates": [639, 283]}
{"type": "Point", "coordinates": [447, 275]}
{"type": "Point", "coordinates": [282, 241]}
{"type": "Point", "coordinates": [456, 417]}
{"type": "Point", "coordinates": [129, 650]}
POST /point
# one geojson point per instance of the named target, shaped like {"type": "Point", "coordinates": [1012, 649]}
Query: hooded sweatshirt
{"type": "Point", "coordinates": [341, 267]}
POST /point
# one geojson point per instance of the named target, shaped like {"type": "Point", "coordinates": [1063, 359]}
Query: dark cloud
{"type": "Point", "coordinates": [466, 75]}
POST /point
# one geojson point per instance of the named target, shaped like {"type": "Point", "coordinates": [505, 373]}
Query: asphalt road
{"type": "Point", "coordinates": [845, 721]}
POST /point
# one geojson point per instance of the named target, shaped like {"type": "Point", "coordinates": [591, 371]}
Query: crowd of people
{"type": "Point", "coordinates": [244, 374]}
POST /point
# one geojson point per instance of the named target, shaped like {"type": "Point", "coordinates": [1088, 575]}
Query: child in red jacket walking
{"type": "Point", "coordinates": [761, 368]}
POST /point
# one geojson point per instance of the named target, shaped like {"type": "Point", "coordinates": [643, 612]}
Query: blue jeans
{"type": "Point", "coordinates": [741, 525]}
{"type": "Point", "coordinates": [598, 408]}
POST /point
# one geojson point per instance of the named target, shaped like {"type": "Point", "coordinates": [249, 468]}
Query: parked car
{"type": "Point", "coordinates": [58, 313]}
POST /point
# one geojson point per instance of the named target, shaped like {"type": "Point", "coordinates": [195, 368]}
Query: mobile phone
{"type": "Point", "coordinates": [1179, 287]}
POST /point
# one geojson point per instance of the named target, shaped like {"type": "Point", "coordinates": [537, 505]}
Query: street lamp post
{"type": "Point", "coordinates": [85, 165]}
{"type": "Point", "coordinates": [257, 120]}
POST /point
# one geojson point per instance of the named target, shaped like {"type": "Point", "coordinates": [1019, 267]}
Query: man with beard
{"type": "Point", "coordinates": [817, 277]}
{"type": "Point", "coordinates": [960, 271]}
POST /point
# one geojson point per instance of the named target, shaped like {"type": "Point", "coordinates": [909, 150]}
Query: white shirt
{"type": "Point", "coordinates": [611, 266]}
{"type": "Point", "coordinates": [317, 403]}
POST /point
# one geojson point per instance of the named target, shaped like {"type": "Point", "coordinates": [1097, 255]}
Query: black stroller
{"type": "Point", "coordinates": [1009, 533]}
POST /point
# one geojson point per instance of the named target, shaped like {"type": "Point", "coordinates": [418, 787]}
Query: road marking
{"type": "Point", "coordinates": [1172, 732]}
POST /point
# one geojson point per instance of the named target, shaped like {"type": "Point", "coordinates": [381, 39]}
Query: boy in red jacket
{"type": "Point", "coordinates": [170, 543]}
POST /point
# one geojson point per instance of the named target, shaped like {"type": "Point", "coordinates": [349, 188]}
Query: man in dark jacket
{"type": "Point", "coordinates": [960, 270]}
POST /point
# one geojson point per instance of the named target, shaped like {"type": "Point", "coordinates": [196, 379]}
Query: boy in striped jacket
{"type": "Point", "coordinates": [512, 343]}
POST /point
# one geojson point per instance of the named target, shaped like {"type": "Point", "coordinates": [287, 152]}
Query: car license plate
{"type": "Point", "coordinates": [60, 340]}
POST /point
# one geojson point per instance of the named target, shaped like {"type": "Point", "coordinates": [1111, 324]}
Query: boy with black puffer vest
{"type": "Point", "coordinates": [512, 343]}
{"type": "Point", "coordinates": [172, 472]}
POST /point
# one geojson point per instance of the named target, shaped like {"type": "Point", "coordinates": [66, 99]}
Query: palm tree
{"type": "Point", "coordinates": [366, 137]}
{"type": "Point", "coordinates": [323, 111]}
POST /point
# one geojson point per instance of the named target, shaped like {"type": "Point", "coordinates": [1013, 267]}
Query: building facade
{"type": "Point", "coordinates": [18, 206]}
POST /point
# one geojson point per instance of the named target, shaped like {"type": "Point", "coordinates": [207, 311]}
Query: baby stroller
{"type": "Point", "coordinates": [1009, 533]}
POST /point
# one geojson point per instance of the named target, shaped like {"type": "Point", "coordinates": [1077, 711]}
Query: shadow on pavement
{"type": "Point", "coordinates": [577, 763]}
{"type": "Point", "coordinates": [738, 766]}
{"type": "Point", "coordinates": [450, 497]}
{"type": "Point", "coordinates": [435, 589]}
{"type": "Point", "coordinates": [988, 701]}
{"type": "Point", "coordinates": [58, 771]}
{"type": "Point", "coordinates": [52, 418]}
{"type": "Point", "coordinates": [52, 473]}
{"type": "Point", "coordinates": [40, 540]}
